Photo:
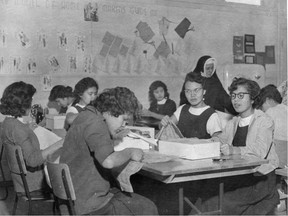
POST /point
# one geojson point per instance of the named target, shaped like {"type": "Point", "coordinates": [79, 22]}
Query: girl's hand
{"type": "Point", "coordinates": [165, 121]}
{"type": "Point", "coordinates": [145, 112]}
{"type": "Point", "coordinates": [120, 133]}
{"type": "Point", "coordinates": [226, 149]}
{"type": "Point", "coordinates": [137, 154]}
{"type": "Point", "coordinates": [33, 125]}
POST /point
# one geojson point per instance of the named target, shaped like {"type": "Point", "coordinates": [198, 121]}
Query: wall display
{"type": "Point", "coordinates": [270, 55]}
{"type": "Point", "coordinates": [249, 43]}
{"type": "Point", "coordinates": [249, 59]}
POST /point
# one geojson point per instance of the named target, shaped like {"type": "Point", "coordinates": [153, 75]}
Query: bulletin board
{"type": "Point", "coordinates": [119, 38]}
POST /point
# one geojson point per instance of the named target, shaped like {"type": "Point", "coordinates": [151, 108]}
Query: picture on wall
{"type": "Point", "coordinates": [249, 43]}
{"type": "Point", "coordinates": [249, 59]}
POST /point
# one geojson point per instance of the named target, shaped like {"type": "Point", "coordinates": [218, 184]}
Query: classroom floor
{"type": "Point", "coordinates": [46, 208]}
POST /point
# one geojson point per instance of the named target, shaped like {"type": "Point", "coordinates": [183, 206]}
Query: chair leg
{"type": "Point", "coordinates": [29, 207]}
{"type": "Point", "coordinates": [15, 205]}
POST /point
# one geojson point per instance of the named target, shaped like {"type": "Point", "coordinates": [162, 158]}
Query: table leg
{"type": "Point", "coordinates": [181, 201]}
{"type": "Point", "coordinates": [221, 193]}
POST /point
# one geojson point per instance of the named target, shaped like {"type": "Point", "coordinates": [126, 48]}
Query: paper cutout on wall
{"type": "Point", "coordinates": [87, 64]}
{"type": "Point", "coordinates": [104, 51]}
{"type": "Point", "coordinates": [80, 45]}
{"type": "Point", "coordinates": [3, 38]}
{"type": "Point", "coordinates": [42, 39]}
{"type": "Point", "coordinates": [15, 64]}
{"type": "Point", "coordinates": [31, 66]}
{"type": "Point", "coordinates": [62, 40]}
{"type": "Point", "coordinates": [260, 58]}
{"type": "Point", "coordinates": [23, 39]}
{"type": "Point", "coordinates": [164, 26]}
{"type": "Point", "coordinates": [162, 50]}
{"type": "Point", "coordinates": [72, 64]}
{"type": "Point", "coordinates": [184, 27]}
{"type": "Point", "coordinates": [108, 38]}
{"type": "Point", "coordinates": [91, 12]}
{"type": "Point", "coordinates": [123, 50]}
{"type": "Point", "coordinates": [145, 32]}
{"type": "Point", "coordinates": [46, 83]}
{"type": "Point", "coordinates": [115, 48]}
{"type": "Point", "coordinates": [2, 65]}
{"type": "Point", "coordinates": [270, 55]}
{"type": "Point", "coordinates": [54, 63]}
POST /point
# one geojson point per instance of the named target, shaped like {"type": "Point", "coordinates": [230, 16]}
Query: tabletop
{"type": "Point", "coordinates": [180, 170]}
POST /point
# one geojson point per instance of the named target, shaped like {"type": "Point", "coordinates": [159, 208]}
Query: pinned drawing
{"type": "Point", "coordinates": [2, 70]}
{"type": "Point", "coordinates": [91, 12]}
{"type": "Point", "coordinates": [80, 45]}
{"type": "Point", "coordinates": [31, 66]}
{"type": "Point", "coordinates": [62, 40]}
{"type": "Point", "coordinates": [42, 39]}
{"type": "Point", "coordinates": [46, 83]}
{"type": "Point", "coordinates": [145, 31]}
{"type": "Point", "coordinates": [23, 39]}
{"type": "Point", "coordinates": [184, 27]}
{"type": "Point", "coordinates": [15, 64]}
{"type": "Point", "coordinates": [87, 64]}
{"type": "Point", "coordinates": [3, 38]}
{"type": "Point", "coordinates": [72, 64]}
{"type": "Point", "coordinates": [54, 63]}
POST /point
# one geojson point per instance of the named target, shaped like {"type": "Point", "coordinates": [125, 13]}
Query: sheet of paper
{"type": "Point", "coordinates": [46, 138]}
{"type": "Point", "coordinates": [149, 140]}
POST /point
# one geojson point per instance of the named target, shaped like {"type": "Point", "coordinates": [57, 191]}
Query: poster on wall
{"type": "Point", "coordinates": [46, 82]}
{"type": "Point", "coordinates": [238, 49]}
{"type": "Point", "coordinates": [270, 54]}
{"type": "Point", "coordinates": [249, 43]}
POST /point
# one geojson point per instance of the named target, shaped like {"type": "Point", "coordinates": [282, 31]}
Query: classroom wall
{"type": "Point", "coordinates": [130, 42]}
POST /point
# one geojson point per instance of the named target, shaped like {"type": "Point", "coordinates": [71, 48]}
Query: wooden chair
{"type": "Point", "coordinates": [284, 175]}
{"type": "Point", "coordinates": [4, 183]}
{"type": "Point", "coordinates": [62, 185]}
{"type": "Point", "coordinates": [18, 168]}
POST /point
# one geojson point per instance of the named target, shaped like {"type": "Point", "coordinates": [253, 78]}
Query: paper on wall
{"type": "Point", "coordinates": [46, 138]}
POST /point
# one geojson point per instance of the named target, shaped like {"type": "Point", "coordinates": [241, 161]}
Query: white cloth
{"type": "Point", "coordinates": [72, 109]}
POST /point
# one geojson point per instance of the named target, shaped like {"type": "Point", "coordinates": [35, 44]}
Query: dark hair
{"type": "Point", "coordinates": [270, 91]}
{"type": "Point", "coordinates": [60, 91]}
{"type": "Point", "coordinates": [252, 87]}
{"type": "Point", "coordinates": [82, 86]}
{"type": "Point", "coordinates": [191, 77]}
{"type": "Point", "coordinates": [156, 84]}
{"type": "Point", "coordinates": [17, 99]}
{"type": "Point", "coordinates": [117, 101]}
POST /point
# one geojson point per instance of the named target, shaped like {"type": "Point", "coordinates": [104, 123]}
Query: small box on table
{"type": "Point", "coordinates": [190, 148]}
{"type": "Point", "coordinates": [55, 121]}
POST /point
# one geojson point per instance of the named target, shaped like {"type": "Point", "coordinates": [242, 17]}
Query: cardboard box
{"type": "Point", "coordinates": [190, 148]}
{"type": "Point", "coordinates": [55, 121]}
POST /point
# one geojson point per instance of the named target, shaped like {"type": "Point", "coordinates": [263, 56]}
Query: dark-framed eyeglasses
{"type": "Point", "coordinates": [240, 95]}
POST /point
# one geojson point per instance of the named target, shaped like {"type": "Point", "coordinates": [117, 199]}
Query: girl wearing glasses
{"type": "Point", "coordinates": [249, 133]}
{"type": "Point", "coordinates": [195, 119]}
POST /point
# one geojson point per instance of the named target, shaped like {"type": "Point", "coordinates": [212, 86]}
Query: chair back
{"type": "Point", "coordinates": [281, 150]}
{"type": "Point", "coordinates": [17, 165]}
{"type": "Point", "coordinates": [61, 181]}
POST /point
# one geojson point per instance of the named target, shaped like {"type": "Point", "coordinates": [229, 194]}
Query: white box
{"type": "Point", "coordinates": [190, 149]}
{"type": "Point", "coordinates": [55, 121]}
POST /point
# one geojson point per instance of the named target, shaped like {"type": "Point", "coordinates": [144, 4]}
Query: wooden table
{"type": "Point", "coordinates": [182, 170]}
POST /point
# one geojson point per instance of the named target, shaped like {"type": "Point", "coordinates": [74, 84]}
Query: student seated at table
{"type": "Point", "coordinates": [215, 95]}
{"type": "Point", "coordinates": [85, 91]}
{"type": "Point", "coordinates": [63, 95]}
{"type": "Point", "coordinates": [160, 103]}
{"type": "Point", "coordinates": [269, 101]}
{"type": "Point", "coordinates": [88, 151]}
{"type": "Point", "coordinates": [249, 134]}
{"type": "Point", "coordinates": [15, 104]}
{"type": "Point", "coordinates": [195, 119]}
